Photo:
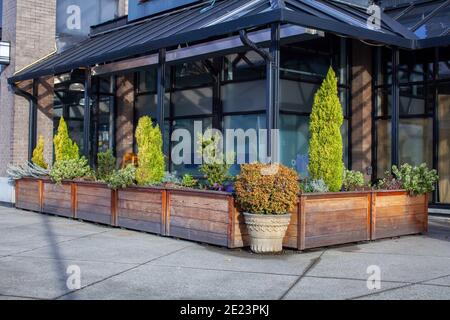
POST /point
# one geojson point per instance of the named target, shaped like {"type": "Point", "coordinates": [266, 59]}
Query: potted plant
{"type": "Point", "coordinates": [266, 194]}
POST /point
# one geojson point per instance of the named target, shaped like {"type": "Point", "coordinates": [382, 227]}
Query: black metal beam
{"type": "Point", "coordinates": [395, 108]}
{"type": "Point", "coordinates": [161, 88]}
{"type": "Point", "coordinates": [87, 116]}
{"type": "Point", "coordinates": [276, 60]}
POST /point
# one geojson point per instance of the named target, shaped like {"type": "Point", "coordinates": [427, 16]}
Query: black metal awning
{"type": "Point", "coordinates": [201, 22]}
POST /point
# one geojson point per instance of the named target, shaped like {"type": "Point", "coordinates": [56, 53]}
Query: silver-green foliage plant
{"type": "Point", "coordinates": [70, 169]}
{"type": "Point", "coordinates": [353, 180]}
{"type": "Point", "coordinates": [171, 178]}
{"type": "Point", "coordinates": [416, 180]}
{"type": "Point", "coordinates": [122, 178]}
{"type": "Point", "coordinates": [314, 186]}
{"type": "Point", "coordinates": [28, 170]}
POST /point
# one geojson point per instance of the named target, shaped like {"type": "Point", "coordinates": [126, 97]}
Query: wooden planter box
{"type": "Point", "coordinates": [333, 218]}
{"type": "Point", "coordinates": [395, 213]}
{"type": "Point", "coordinates": [95, 202]}
{"type": "Point", "coordinates": [203, 216]}
{"type": "Point", "coordinates": [29, 194]}
{"type": "Point", "coordinates": [58, 199]}
{"type": "Point", "coordinates": [142, 209]}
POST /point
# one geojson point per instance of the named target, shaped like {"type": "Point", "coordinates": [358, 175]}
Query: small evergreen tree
{"type": "Point", "coordinates": [325, 150]}
{"type": "Point", "coordinates": [151, 165]}
{"type": "Point", "coordinates": [38, 154]}
{"type": "Point", "coordinates": [106, 165]}
{"type": "Point", "coordinates": [65, 148]}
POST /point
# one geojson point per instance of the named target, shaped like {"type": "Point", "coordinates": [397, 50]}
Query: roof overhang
{"type": "Point", "coordinates": [60, 63]}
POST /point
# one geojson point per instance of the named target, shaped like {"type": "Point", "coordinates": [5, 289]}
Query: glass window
{"type": "Point", "coordinates": [297, 96]}
{"type": "Point", "coordinates": [384, 67]}
{"type": "Point", "coordinates": [244, 96]}
{"type": "Point", "coordinates": [251, 149]}
{"type": "Point", "coordinates": [102, 123]}
{"type": "Point", "coordinates": [383, 102]}
{"type": "Point", "coordinates": [192, 74]}
{"type": "Point", "coordinates": [145, 105]}
{"type": "Point", "coordinates": [416, 67]}
{"type": "Point", "coordinates": [436, 26]}
{"type": "Point", "coordinates": [416, 141]}
{"type": "Point", "coordinates": [192, 102]}
{"type": "Point", "coordinates": [307, 59]}
{"type": "Point", "coordinates": [244, 66]}
{"type": "Point", "coordinates": [444, 63]}
{"type": "Point", "coordinates": [294, 142]}
{"type": "Point", "coordinates": [188, 124]}
{"type": "Point", "coordinates": [147, 80]}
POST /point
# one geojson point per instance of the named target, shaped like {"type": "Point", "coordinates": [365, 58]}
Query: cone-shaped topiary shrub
{"type": "Point", "coordinates": [261, 190]}
{"type": "Point", "coordinates": [151, 165]}
{"type": "Point", "coordinates": [325, 149]}
{"type": "Point", "coordinates": [38, 154]}
{"type": "Point", "coordinates": [65, 148]}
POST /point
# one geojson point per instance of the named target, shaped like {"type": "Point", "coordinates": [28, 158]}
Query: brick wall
{"type": "Point", "coordinates": [361, 121]}
{"type": "Point", "coordinates": [125, 115]}
{"type": "Point", "coordinates": [30, 27]}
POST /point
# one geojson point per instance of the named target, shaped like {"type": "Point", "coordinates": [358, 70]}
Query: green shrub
{"type": "Point", "coordinates": [122, 178]}
{"type": "Point", "coordinates": [260, 193]}
{"type": "Point", "coordinates": [389, 182]}
{"type": "Point", "coordinates": [215, 167]}
{"type": "Point", "coordinates": [353, 180]}
{"type": "Point", "coordinates": [313, 186]}
{"type": "Point", "coordinates": [325, 149]}
{"type": "Point", "coordinates": [38, 154]}
{"type": "Point", "coordinates": [151, 166]}
{"type": "Point", "coordinates": [65, 148]}
{"type": "Point", "coordinates": [189, 181]}
{"type": "Point", "coordinates": [416, 180]}
{"type": "Point", "coordinates": [70, 169]}
{"type": "Point", "coordinates": [106, 165]}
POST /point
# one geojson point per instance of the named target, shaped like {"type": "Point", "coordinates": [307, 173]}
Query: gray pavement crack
{"type": "Point", "coordinates": [310, 267]}
{"type": "Point", "coordinates": [120, 273]}
{"type": "Point", "coordinates": [422, 282]}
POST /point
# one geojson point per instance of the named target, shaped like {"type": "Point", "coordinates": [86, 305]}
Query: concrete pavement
{"type": "Point", "coordinates": [36, 251]}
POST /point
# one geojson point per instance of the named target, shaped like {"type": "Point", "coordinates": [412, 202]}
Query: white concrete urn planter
{"type": "Point", "coordinates": [267, 231]}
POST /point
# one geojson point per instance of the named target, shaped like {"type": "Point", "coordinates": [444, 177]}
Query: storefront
{"type": "Point", "coordinates": [256, 64]}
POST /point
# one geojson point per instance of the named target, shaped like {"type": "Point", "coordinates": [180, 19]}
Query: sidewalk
{"type": "Point", "coordinates": [36, 250]}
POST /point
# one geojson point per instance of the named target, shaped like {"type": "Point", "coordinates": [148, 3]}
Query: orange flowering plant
{"type": "Point", "coordinates": [267, 189]}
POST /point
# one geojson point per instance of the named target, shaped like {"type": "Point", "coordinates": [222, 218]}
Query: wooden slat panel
{"type": "Point", "coordinates": [95, 191]}
{"type": "Point", "coordinates": [104, 200]}
{"type": "Point", "coordinates": [398, 200]}
{"type": "Point", "coordinates": [88, 207]}
{"type": "Point", "coordinates": [335, 238]}
{"type": "Point", "coordinates": [94, 216]}
{"type": "Point", "coordinates": [60, 211]}
{"type": "Point", "coordinates": [139, 225]}
{"type": "Point", "coordinates": [140, 215]}
{"type": "Point", "coordinates": [200, 214]}
{"type": "Point", "coordinates": [209, 202]}
{"type": "Point", "coordinates": [151, 207]}
{"type": "Point", "coordinates": [335, 204]}
{"type": "Point", "coordinates": [56, 203]}
{"type": "Point", "coordinates": [141, 196]}
{"type": "Point", "coordinates": [199, 225]}
{"type": "Point", "coordinates": [199, 236]}
{"type": "Point", "coordinates": [25, 205]}
{"type": "Point", "coordinates": [315, 217]}
{"type": "Point", "coordinates": [335, 227]}
{"type": "Point", "coordinates": [397, 215]}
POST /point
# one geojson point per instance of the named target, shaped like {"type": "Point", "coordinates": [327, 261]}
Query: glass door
{"type": "Point", "coordinates": [443, 117]}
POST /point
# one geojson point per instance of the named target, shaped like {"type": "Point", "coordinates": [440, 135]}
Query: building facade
{"type": "Point", "coordinates": [253, 64]}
